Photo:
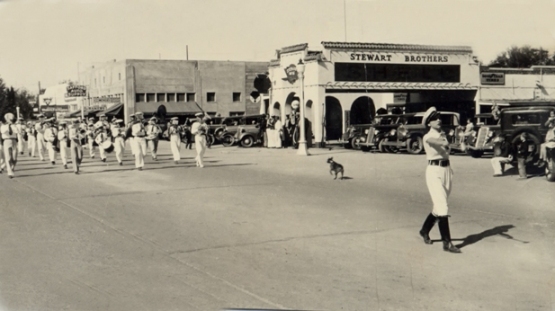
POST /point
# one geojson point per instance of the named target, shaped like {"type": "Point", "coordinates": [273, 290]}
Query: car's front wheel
{"type": "Point", "coordinates": [355, 143]}
{"type": "Point", "coordinates": [415, 145]}
{"type": "Point", "coordinates": [247, 142]}
{"type": "Point", "coordinates": [228, 140]}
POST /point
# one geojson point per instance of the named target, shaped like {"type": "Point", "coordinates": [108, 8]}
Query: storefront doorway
{"type": "Point", "coordinates": [363, 111]}
{"type": "Point", "coordinates": [334, 119]}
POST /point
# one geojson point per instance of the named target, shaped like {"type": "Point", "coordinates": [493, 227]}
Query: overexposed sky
{"type": "Point", "coordinates": [48, 40]}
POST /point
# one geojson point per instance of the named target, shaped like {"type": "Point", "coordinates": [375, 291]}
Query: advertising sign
{"type": "Point", "coordinates": [291, 72]}
{"type": "Point", "coordinates": [492, 78]}
{"type": "Point", "coordinates": [73, 90]}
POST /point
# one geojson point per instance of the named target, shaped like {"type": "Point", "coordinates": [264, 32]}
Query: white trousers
{"type": "Point", "coordinates": [175, 144]}
{"type": "Point", "coordinates": [51, 151]}
{"type": "Point", "coordinates": [140, 151]}
{"type": "Point", "coordinates": [20, 141]}
{"type": "Point", "coordinates": [31, 145]}
{"type": "Point", "coordinates": [498, 164]}
{"type": "Point", "coordinates": [200, 146]}
{"type": "Point", "coordinates": [10, 155]}
{"type": "Point", "coordinates": [153, 147]}
{"type": "Point", "coordinates": [439, 180]}
{"type": "Point", "coordinates": [63, 151]}
{"type": "Point", "coordinates": [41, 145]}
{"type": "Point", "coordinates": [119, 148]}
{"type": "Point", "coordinates": [76, 155]}
{"type": "Point", "coordinates": [91, 147]}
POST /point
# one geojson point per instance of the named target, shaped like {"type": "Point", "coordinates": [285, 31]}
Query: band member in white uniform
{"type": "Point", "coordinates": [41, 144]}
{"type": "Point", "coordinates": [31, 139]}
{"type": "Point", "coordinates": [175, 139]}
{"type": "Point", "coordinates": [101, 128]}
{"type": "Point", "coordinates": [21, 132]}
{"type": "Point", "coordinates": [63, 139]}
{"type": "Point", "coordinates": [139, 133]}
{"type": "Point", "coordinates": [128, 135]}
{"type": "Point", "coordinates": [118, 132]}
{"type": "Point", "coordinates": [9, 134]}
{"type": "Point", "coordinates": [50, 136]}
{"type": "Point", "coordinates": [438, 179]}
{"type": "Point", "coordinates": [90, 137]}
{"type": "Point", "coordinates": [75, 134]}
{"type": "Point", "coordinates": [200, 129]}
{"type": "Point", "coordinates": [152, 136]}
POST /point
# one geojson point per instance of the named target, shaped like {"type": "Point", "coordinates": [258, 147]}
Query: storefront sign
{"type": "Point", "coordinates": [492, 78]}
{"type": "Point", "coordinates": [291, 72]}
{"type": "Point", "coordinates": [397, 58]}
{"type": "Point", "coordinates": [64, 108]}
{"type": "Point", "coordinates": [76, 90]}
{"type": "Point", "coordinates": [113, 100]}
{"type": "Point", "coordinates": [96, 107]}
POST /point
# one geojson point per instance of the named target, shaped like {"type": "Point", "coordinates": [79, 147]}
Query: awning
{"type": "Point", "coordinates": [74, 114]}
{"type": "Point", "coordinates": [397, 86]}
{"type": "Point", "coordinates": [112, 111]}
{"type": "Point", "coordinates": [172, 108]}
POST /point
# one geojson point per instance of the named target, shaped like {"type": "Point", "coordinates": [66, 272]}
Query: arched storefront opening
{"type": "Point", "coordinates": [276, 109]}
{"type": "Point", "coordinates": [363, 111]}
{"type": "Point", "coordinates": [290, 98]}
{"type": "Point", "coordinates": [309, 115]}
{"type": "Point", "coordinates": [334, 118]}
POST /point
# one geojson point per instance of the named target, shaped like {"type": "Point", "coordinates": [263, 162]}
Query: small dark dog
{"type": "Point", "coordinates": [335, 168]}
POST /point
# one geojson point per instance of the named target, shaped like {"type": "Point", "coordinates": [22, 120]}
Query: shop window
{"type": "Point", "coordinates": [236, 97]}
{"type": "Point", "coordinates": [180, 97]}
{"type": "Point", "coordinates": [161, 97]}
{"type": "Point", "coordinates": [139, 98]}
{"type": "Point", "coordinates": [171, 97]}
{"type": "Point", "coordinates": [150, 97]}
{"type": "Point", "coordinates": [355, 72]}
{"type": "Point", "coordinates": [210, 97]}
{"type": "Point", "coordinates": [191, 97]}
{"type": "Point", "coordinates": [236, 113]}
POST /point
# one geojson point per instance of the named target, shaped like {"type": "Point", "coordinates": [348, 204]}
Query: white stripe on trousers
{"type": "Point", "coordinates": [439, 180]}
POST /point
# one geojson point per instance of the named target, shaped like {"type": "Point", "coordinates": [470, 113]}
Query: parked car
{"type": "Point", "coordinates": [482, 140]}
{"type": "Point", "coordinates": [530, 120]}
{"type": "Point", "coordinates": [369, 136]}
{"type": "Point", "coordinates": [411, 130]}
{"type": "Point", "coordinates": [242, 127]}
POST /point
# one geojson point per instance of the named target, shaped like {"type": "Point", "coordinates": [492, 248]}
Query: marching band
{"type": "Point", "coordinates": [59, 137]}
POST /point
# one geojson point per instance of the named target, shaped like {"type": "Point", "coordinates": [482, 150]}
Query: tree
{"type": "Point", "coordinates": [523, 57]}
{"type": "Point", "coordinates": [11, 98]}
{"type": "Point", "coordinates": [22, 100]}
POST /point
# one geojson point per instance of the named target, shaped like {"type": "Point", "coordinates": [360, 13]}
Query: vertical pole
{"type": "Point", "coordinates": [345, 17]}
{"type": "Point", "coordinates": [187, 52]}
{"type": "Point", "coordinates": [302, 139]}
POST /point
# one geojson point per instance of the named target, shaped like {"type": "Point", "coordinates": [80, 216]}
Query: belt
{"type": "Point", "coordinates": [6, 138]}
{"type": "Point", "coordinates": [442, 163]}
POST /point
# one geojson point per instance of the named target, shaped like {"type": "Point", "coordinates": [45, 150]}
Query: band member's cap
{"type": "Point", "coordinates": [431, 115]}
{"type": "Point", "coordinates": [62, 123]}
{"type": "Point", "coordinates": [138, 113]}
{"type": "Point", "coordinates": [91, 119]}
{"type": "Point", "coordinates": [102, 115]}
{"type": "Point", "coordinates": [153, 119]}
{"type": "Point", "coordinates": [76, 121]}
{"type": "Point", "coordinates": [9, 116]}
{"type": "Point", "coordinates": [118, 121]}
{"type": "Point", "coordinates": [40, 116]}
{"type": "Point", "coordinates": [175, 119]}
{"type": "Point", "coordinates": [199, 114]}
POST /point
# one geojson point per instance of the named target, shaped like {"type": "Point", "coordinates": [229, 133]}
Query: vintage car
{"type": "Point", "coordinates": [373, 135]}
{"type": "Point", "coordinates": [230, 125]}
{"type": "Point", "coordinates": [481, 140]}
{"type": "Point", "coordinates": [531, 120]}
{"type": "Point", "coordinates": [245, 130]}
{"type": "Point", "coordinates": [411, 129]}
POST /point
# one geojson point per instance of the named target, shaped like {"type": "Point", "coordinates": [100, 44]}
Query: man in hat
{"type": "Point", "coordinates": [74, 135]}
{"type": "Point", "coordinates": [39, 128]}
{"type": "Point", "coordinates": [90, 137]}
{"type": "Point", "coordinates": [9, 133]}
{"type": "Point", "coordinates": [128, 135]}
{"type": "Point", "coordinates": [21, 134]}
{"type": "Point", "coordinates": [51, 136]}
{"type": "Point", "coordinates": [175, 138]}
{"type": "Point", "coordinates": [200, 129]}
{"type": "Point", "coordinates": [31, 138]}
{"type": "Point", "coordinates": [152, 136]}
{"type": "Point", "coordinates": [118, 132]}
{"type": "Point", "coordinates": [139, 133]}
{"type": "Point", "coordinates": [63, 140]}
{"type": "Point", "coordinates": [438, 179]}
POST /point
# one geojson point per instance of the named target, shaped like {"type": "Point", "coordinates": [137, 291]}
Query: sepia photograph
{"type": "Point", "coordinates": [263, 155]}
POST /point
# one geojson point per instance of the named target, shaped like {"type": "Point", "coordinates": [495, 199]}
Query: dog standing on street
{"type": "Point", "coordinates": [335, 168]}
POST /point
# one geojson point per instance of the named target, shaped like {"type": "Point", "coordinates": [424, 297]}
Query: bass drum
{"type": "Point", "coordinates": [107, 146]}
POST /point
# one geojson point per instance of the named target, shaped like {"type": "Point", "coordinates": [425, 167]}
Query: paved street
{"type": "Point", "coordinates": [259, 228]}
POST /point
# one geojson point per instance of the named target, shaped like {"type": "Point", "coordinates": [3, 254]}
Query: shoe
{"type": "Point", "coordinates": [53, 163]}
{"type": "Point", "coordinates": [120, 163]}
{"type": "Point", "coordinates": [11, 176]}
{"type": "Point", "coordinates": [103, 160]}
{"type": "Point", "coordinates": [42, 160]}
{"type": "Point", "coordinates": [175, 162]}
{"type": "Point", "coordinates": [449, 247]}
{"type": "Point", "coordinates": [21, 153]}
{"type": "Point", "coordinates": [65, 166]}
{"type": "Point", "coordinates": [29, 154]}
{"type": "Point", "coordinates": [140, 168]}
{"type": "Point", "coordinates": [426, 237]}
{"type": "Point", "coordinates": [201, 165]}
{"type": "Point", "coordinates": [92, 157]}
{"type": "Point", "coordinates": [76, 173]}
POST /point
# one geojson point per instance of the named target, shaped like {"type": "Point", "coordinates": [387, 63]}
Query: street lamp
{"type": "Point", "coordinates": [302, 140]}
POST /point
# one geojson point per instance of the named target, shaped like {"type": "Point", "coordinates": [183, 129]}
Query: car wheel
{"type": "Point", "coordinates": [355, 143]}
{"type": "Point", "coordinates": [476, 153]}
{"type": "Point", "coordinates": [247, 142]}
{"type": "Point", "coordinates": [218, 134]}
{"type": "Point", "coordinates": [415, 145]}
{"type": "Point", "coordinates": [228, 140]}
{"type": "Point", "coordinates": [550, 170]}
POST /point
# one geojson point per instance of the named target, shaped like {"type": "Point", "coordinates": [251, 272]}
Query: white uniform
{"type": "Point", "coordinates": [20, 140]}
{"type": "Point", "coordinates": [63, 139]}
{"type": "Point", "coordinates": [152, 132]}
{"type": "Point", "coordinates": [41, 144]}
{"type": "Point", "coordinates": [175, 142]}
{"type": "Point", "coordinates": [119, 141]}
{"type": "Point", "coordinates": [102, 125]}
{"type": "Point", "coordinates": [76, 150]}
{"type": "Point", "coordinates": [50, 135]}
{"type": "Point", "coordinates": [438, 178]}
{"type": "Point", "coordinates": [139, 142]}
{"type": "Point", "coordinates": [9, 135]}
{"type": "Point", "coordinates": [200, 141]}
{"type": "Point", "coordinates": [31, 140]}
{"type": "Point", "coordinates": [90, 140]}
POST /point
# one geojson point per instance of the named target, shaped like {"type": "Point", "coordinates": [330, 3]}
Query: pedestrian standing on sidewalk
{"type": "Point", "coordinates": [438, 179]}
{"type": "Point", "coordinates": [522, 146]}
{"type": "Point", "coordinates": [200, 130]}
{"type": "Point", "coordinates": [175, 139]}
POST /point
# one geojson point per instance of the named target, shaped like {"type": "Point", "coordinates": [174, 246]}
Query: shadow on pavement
{"type": "Point", "coordinates": [499, 230]}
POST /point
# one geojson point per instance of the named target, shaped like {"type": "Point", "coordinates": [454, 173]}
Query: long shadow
{"type": "Point", "coordinates": [499, 230]}
{"type": "Point", "coordinates": [222, 165]}
{"type": "Point", "coordinates": [33, 169]}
